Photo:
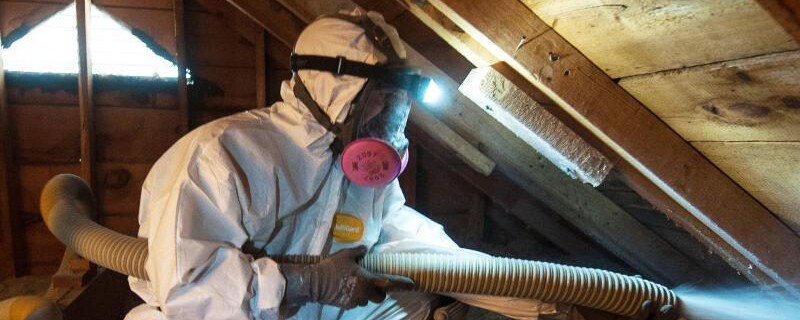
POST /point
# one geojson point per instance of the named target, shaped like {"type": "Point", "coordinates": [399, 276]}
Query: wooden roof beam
{"type": "Point", "coordinates": [85, 91]}
{"type": "Point", "coordinates": [180, 62]}
{"type": "Point", "coordinates": [745, 232]}
{"type": "Point", "coordinates": [786, 12]}
{"type": "Point", "coordinates": [261, 70]}
{"type": "Point", "coordinates": [12, 259]}
{"type": "Point", "coordinates": [580, 204]}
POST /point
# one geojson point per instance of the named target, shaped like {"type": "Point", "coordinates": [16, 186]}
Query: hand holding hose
{"type": "Point", "coordinates": [338, 280]}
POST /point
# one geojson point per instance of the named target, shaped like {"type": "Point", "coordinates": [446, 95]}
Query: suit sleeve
{"type": "Point", "coordinates": [406, 230]}
{"type": "Point", "coordinates": [195, 265]}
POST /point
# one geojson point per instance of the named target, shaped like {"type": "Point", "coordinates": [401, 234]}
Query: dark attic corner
{"type": "Point", "coordinates": [440, 159]}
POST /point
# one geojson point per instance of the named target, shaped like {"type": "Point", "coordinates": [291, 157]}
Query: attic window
{"type": "Point", "coordinates": [52, 47]}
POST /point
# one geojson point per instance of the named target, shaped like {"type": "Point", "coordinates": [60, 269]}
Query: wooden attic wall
{"type": "Point", "coordinates": [133, 127]}
{"type": "Point", "coordinates": [47, 133]}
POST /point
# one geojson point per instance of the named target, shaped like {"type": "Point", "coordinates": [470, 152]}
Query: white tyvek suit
{"type": "Point", "coordinates": [267, 179]}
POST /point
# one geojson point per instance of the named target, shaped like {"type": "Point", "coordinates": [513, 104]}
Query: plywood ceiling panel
{"type": "Point", "coordinates": [630, 37]}
{"type": "Point", "coordinates": [768, 170]}
{"type": "Point", "coordinates": [755, 99]}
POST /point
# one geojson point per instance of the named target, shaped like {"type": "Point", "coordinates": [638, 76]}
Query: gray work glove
{"type": "Point", "coordinates": [338, 280]}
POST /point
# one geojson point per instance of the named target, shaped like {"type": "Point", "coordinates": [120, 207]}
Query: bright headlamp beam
{"type": "Point", "coordinates": [432, 93]}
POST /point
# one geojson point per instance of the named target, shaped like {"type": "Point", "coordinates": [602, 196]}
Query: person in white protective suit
{"type": "Point", "coordinates": [271, 182]}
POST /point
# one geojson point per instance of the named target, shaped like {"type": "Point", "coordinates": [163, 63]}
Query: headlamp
{"type": "Point", "coordinates": [431, 92]}
{"type": "Point", "coordinates": [423, 89]}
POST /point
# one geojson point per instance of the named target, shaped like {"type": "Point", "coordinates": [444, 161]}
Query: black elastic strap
{"type": "Point", "coordinates": [301, 92]}
{"type": "Point", "coordinates": [337, 66]}
{"type": "Point", "coordinates": [344, 130]}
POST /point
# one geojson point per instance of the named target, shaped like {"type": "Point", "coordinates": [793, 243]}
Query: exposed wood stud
{"type": "Point", "coordinates": [740, 223]}
{"type": "Point", "coordinates": [180, 61]}
{"type": "Point", "coordinates": [12, 259]}
{"type": "Point", "coordinates": [261, 70]}
{"type": "Point", "coordinates": [83, 8]}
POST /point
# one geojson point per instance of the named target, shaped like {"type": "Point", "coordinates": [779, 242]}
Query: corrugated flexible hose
{"type": "Point", "coordinates": [66, 200]}
{"type": "Point", "coordinates": [66, 205]}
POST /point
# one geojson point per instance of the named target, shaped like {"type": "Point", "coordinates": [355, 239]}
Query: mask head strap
{"type": "Point", "coordinates": [344, 132]}
{"type": "Point", "coordinates": [338, 66]}
{"type": "Point", "coordinates": [399, 77]}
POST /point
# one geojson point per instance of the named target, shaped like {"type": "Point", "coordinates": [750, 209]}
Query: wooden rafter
{"type": "Point", "coordinates": [261, 70]}
{"type": "Point", "coordinates": [83, 8]}
{"type": "Point", "coordinates": [786, 12]}
{"type": "Point", "coordinates": [719, 212]}
{"type": "Point", "coordinates": [180, 61]}
{"type": "Point", "coordinates": [87, 125]}
{"type": "Point", "coordinates": [594, 214]}
{"type": "Point", "coordinates": [11, 233]}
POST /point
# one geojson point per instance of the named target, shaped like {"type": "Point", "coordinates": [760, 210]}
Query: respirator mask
{"type": "Point", "coordinates": [371, 140]}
